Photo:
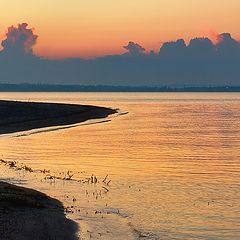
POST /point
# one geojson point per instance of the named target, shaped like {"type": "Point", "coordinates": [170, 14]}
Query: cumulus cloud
{"type": "Point", "coordinates": [199, 63]}
{"type": "Point", "coordinates": [201, 47]}
{"type": "Point", "coordinates": [19, 39]}
{"type": "Point", "coordinates": [173, 49]}
{"type": "Point", "coordinates": [227, 45]}
{"type": "Point", "coordinates": [134, 48]}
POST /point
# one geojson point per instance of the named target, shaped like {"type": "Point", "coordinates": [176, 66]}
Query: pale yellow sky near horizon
{"type": "Point", "coordinates": [91, 28]}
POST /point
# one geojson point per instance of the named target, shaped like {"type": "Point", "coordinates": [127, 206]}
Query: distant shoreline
{"type": "Point", "coordinates": [18, 116]}
{"type": "Point", "coordinates": [106, 88]}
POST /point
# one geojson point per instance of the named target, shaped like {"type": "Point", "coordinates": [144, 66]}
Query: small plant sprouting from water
{"type": "Point", "coordinates": [69, 176]}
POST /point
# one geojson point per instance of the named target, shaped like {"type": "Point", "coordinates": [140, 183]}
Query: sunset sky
{"type": "Point", "coordinates": [80, 28]}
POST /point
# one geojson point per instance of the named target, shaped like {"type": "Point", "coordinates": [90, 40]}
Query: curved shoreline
{"type": "Point", "coordinates": [18, 116]}
{"type": "Point", "coordinates": [26, 213]}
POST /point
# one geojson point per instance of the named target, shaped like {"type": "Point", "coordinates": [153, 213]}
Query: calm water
{"type": "Point", "coordinates": [173, 161]}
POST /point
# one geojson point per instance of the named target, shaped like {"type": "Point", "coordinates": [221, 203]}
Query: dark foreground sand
{"type": "Point", "coordinates": [22, 116]}
{"type": "Point", "coordinates": [26, 214]}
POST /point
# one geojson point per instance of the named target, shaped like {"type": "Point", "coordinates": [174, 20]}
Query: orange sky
{"type": "Point", "coordinates": [80, 28]}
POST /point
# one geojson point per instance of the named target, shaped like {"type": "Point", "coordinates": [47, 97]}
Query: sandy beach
{"type": "Point", "coordinates": [22, 116]}
{"type": "Point", "coordinates": [26, 214]}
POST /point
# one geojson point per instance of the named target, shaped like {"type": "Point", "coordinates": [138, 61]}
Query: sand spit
{"type": "Point", "coordinates": [18, 116]}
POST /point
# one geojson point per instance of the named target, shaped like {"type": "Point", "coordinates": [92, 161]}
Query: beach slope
{"type": "Point", "coordinates": [22, 116]}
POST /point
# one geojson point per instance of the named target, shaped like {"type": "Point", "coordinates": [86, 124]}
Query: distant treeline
{"type": "Point", "coordinates": [102, 88]}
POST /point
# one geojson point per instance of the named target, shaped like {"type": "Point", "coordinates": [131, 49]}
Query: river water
{"type": "Point", "coordinates": [172, 164]}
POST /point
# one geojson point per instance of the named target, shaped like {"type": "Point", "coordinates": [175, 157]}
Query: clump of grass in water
{"type": "Point", "coordinates": [68, 176]}
{"type": "Point", "coordinates": [64, 176]}
{"type": "Point", "coordinates": [14, 165]}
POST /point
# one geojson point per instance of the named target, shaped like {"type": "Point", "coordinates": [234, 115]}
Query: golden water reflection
{"type": "Point", "coordinates": [173, 161]}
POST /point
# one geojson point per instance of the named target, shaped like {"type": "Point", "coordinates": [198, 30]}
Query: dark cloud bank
{"type": "Point", "coordinates": [200, 63]}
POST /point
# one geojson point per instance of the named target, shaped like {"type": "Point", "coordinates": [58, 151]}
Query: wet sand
{"type": "Point", "coordinates": [25, 213]}
{"type": "Point", "coordinates": [23, 116]}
